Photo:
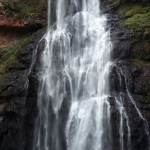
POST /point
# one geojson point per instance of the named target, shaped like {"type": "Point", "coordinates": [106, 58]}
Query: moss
{"type": "Point", "coordinates": [11, 55]}
{"type": "Point", "coordinates": [139, 63]}
{"type": "Point", "coordinates": [146, 90]}
{"type": "Point", "coordinates": [143, 80]}
{"type": "Point", "coordinates": [138, 21]}
{"type": "Point", "coordinates": [113, 3]}
{"type": "Point", "coordinates": [116, 3]}
{"type": "Point", "coordinates": [27, 10]}
{"type": "Point", "coordinates": [3, 51]}
{"type": "Point", "coordinates": [138, 18]}
{"type": "Point", "coordinates": [10, 8]}
{"type": "Point", "coordinates": [32, 13]}
{"type": "Point", "coordinates": [136, 10]}
{"type": "Point", "coordinates": [141, 50]}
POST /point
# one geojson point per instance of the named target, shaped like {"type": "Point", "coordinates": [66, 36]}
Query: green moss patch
{"type": "Point", "coordinates": [143, 81]}
{"type": "Point", "coordinates": [10, 54]}
{"type": "Point", "coordinates": [31, 11]}
{"type": "Point", "coordinates": [141, 50]}
{"type": "Point", "coordinates": [116, 3]}
{"type": "Point", "coordinates": [138, 18]}
{"type": "Point", "coordinates": [137, 9]}
{"type": "Point", "coordinates": [113, 3]}
{"type": "Point", "coordinates": [138, 21]}
{"type": "Point", "coordinates": [139, 63]}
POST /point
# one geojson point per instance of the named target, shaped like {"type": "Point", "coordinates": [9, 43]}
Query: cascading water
{"type": "Point", "coordinates": [76, 58]}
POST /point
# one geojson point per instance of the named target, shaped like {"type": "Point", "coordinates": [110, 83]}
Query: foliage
{"type": "Point", "coordinates": [138, 21]}
{"type": "Point", "coordinates": [11, 54]}
{"type": "Point", "coordinates": [138, 18]}
{"type": "Point", "coordinates": [137, 9]}
{"type": "Point", "coordinates": [30, 10]}
{"type": "Point", "coordinates": [141, 50]}
{"type": "Point", "coordinates": [113, 3]}
{"type": "Point", "coordinates": [139, 63]}
{"type": "Point", "coordinates": [116, 3]}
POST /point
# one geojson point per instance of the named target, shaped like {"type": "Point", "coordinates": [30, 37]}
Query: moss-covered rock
{"type": "Point", "coordinates": [10, 55]}
{"type": "Point", "coordinates": [113, 3]}
{"type": "Point", "coordinates": [15, 89]}
{"type": "Point", "coordinates": [141, 50]}
{"type": "Point", "coordinates": [139, 63]}
{"type": "Point", "coordinates": [138, 18]}
{"type": "Point", "coordinates": [135, 16]}
{"type": "Point", "coordinates": [17, 18]}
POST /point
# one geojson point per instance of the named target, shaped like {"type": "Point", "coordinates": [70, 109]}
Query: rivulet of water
{"type": "Point", "coordinates": [77, 54]}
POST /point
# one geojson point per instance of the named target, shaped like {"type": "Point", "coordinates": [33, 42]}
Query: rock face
{"type": "Point", "coordinates": [131, 82]}
{"type": "Point", "coordinates": [16, 19]}
{"type": "Point", "coordinates": [128, 79]}
{"type": "Point", "coordinates": [18, 99]}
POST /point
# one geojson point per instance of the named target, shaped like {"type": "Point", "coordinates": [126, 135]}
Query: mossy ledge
{"type": "Point", "coordinates": [135, 17]}
{"type": "Point", "coordinates": [138, 18]}
{"type": "Point", "coordinates": [11, 54]}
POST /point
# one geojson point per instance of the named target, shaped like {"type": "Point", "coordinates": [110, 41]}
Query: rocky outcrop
{"type": "Point", "coordinates": [18, 18]}
{"type": "Point", "coordinates": [130, 80]}
{"type": "Point", "coordinates": [18, 99]}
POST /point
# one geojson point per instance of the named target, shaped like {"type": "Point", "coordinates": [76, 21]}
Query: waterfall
{"type": "Point", "coordinates": [76, 63]}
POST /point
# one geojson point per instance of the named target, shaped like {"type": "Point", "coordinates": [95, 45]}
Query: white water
{"type": "Point", "coordinates": [77, 54]}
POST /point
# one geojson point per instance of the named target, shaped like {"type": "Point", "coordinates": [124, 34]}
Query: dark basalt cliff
{"type": "Point", "coordinates": [19, 67]}
{"type": "Point", "coordinates": [18, 98]}
{"type": "Point", "coordinates": [130, 76]}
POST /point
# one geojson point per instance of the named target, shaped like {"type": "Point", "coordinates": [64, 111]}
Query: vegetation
{"type": "Point", "coordinates": [113, 3]}
{"type": "Point", "coordinates": [11, 53]}
{"type": "Point", "coordinates": [139, 18]}
{"type": "Point", "coordinates": [144, 85]}
{"type": "Point", "coordinates": [136, 9]}
{"type": "Point", "coordinates": [141, 50]}
{"type": "Point", "coordinates": [30, 10]}
{"type": "Point", "coordinates": [116, 3]}
{"type": "Point", "coordinates": [136, 16]}
{"type": "Point", "coordinates": [139, 63]}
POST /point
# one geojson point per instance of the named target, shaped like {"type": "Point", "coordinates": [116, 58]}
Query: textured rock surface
{"type": "Point", "coordinates": [18, 100]}
{"type": "Point", "coordinates": [129, 75]}
{"type": "Point", "coordinates": [18, 18]}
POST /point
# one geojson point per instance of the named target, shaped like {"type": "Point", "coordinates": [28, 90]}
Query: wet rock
{"type": "Point", "coordinates": [18, 99]}
{"type": "Point", "coordinates": [120, 39]}
{"type": "Point", "coordinates": [3, 107]}
{"type": "Point", "coordinates": [124, 85]}
{"type": "Point", "coordinates": [121, 49]}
